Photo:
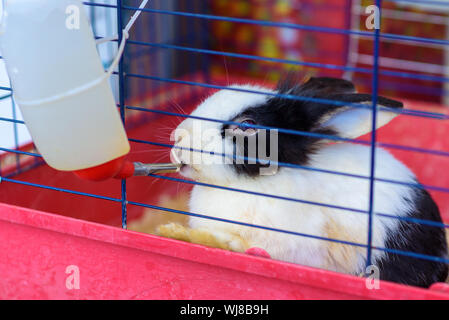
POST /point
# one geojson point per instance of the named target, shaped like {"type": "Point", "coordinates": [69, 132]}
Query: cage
{"type": "Point", "coordinates": [179, 52]}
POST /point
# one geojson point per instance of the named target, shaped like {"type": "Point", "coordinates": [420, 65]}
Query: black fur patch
{"type": "Point", "coordinates": [417, 238]}
{"type": "Point", "coordinates": [300, 115]}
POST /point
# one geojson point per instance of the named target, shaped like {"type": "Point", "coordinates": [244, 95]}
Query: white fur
{"type": "Point", "coordinates": [300, 184]}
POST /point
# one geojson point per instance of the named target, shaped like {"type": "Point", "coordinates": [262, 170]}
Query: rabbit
{"type": "Point", "coordinates": [237, 108]}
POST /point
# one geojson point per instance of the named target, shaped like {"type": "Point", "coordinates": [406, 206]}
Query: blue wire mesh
{"type": "Point", "coordinates": [187, 41]}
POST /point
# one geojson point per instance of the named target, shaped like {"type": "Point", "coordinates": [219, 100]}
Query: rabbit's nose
{"type": "Point", "coordinates": [182, 143]}
{"type": "Point", "coordinates": [180, 135]}
{"type": "Point", "coordinates": [175, 154]}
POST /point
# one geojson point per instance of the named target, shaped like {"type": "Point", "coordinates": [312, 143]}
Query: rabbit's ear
{"type": "Point", "coordinates": [354, 121]}
{"type": "Point", "coordinates": [324, 85]}
{"type": "Point", "coordinates": [314, 86]}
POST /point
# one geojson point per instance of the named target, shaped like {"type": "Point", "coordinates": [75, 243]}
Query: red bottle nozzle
{"type": "Point", "coordinates": [107, 170]}
{"type": "Point", "coordinates": [126, 171]}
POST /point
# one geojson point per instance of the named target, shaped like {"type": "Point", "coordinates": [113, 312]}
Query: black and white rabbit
{"type": "Point", "coordinates": [398, 200]}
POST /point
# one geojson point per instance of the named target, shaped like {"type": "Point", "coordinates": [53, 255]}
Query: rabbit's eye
{"type": "Point", "coordinates": [243, 127]}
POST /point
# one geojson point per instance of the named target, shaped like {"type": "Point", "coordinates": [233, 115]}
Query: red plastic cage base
{"type": "Point", "coordinates": [118, 264]}
{"type": "Point", "coordinates": [37, 247]}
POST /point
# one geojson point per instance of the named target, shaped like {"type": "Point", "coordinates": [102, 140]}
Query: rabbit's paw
{"type": "Point", "coordinates": [215, 239]}
{"type": "Point", "coordinates": [174, 231]}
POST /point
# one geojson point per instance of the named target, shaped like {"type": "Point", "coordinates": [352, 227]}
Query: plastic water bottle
{"type": "Point", "coordinates": [60, 85]}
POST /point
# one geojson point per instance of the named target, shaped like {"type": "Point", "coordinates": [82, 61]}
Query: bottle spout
{"type": "Point", "coordinates": [145, 169]}
{"type": "Point", "coordinates": [122, 169]}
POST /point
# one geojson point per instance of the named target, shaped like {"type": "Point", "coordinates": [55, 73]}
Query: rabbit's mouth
{"type": "Point", "coordinates": [183, 167]}
{"type": "Point", "coordinates": [187, 170]}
